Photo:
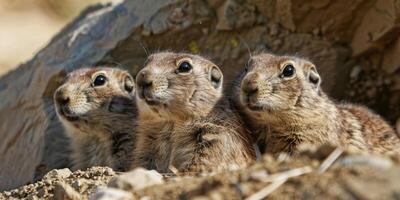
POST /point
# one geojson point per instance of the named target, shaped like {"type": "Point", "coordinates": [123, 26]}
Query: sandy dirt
{"type": "Point", "coordinates": [314, 174]}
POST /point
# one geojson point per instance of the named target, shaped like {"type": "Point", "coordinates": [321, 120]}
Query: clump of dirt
{"type": "Point", "coordinates": [55, 181]}
{"type": "Point", "coordinates": [323, 172]}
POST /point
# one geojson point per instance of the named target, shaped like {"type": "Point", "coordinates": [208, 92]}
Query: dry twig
{"type": "Point", "coordinates": [266, 190]}
{"type": "Point", "coordinates": [277, 180]}
{"type": "Point", "coordinates": [330, 160]}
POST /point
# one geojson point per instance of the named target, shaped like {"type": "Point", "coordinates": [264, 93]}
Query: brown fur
{"type": "Point", "coordinates": [182, 119]}
{"type": "Point", "coordinates": [100, 120]}
{"type": "Point", "coordinates": [288, 111]}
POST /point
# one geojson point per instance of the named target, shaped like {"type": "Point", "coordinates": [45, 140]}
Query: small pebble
{"type": "Point", "coordinates": [355, 72]}
{"type": "Point", "coordinates": [76, 184]}
{"type": "Point", "coordinates": [259, 175]}
{"type": "Point", "coordinates": [103, 193]}
{"type": "Point", "coordinates": [369, 160]}
{"type": "Point", "coordinates": [137, 179]}
{"type": "Point", "coordinates": [41, 192]}
{"type": "Point", "coordinates": [65, 191]}
{"type": "Point", "coordinates": [47, 182]}
{"type": "Point", "coordinates": [274, 29]}
{"type": "Point", "coordinates": [58, 174]}
{"type": "Point", "coordinates": [32, 197]}
{"type": "Point", "coordinates": [145, 198]}
{"type": "Point", "coordinates": [316, 32]}
{"type": "Point", "coordinates": [109, 171]}
{"type": "Point", "coordinates": [277, 42]}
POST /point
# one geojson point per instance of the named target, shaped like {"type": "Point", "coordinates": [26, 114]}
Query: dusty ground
{"type": "Point", "coordinates": [309, 176]}
{"type": "Point", "coordinates": [81, 181]}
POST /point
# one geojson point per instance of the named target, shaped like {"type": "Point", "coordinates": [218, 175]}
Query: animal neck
{"type": "Point", "coordinates": [85, 137]}
{"type": "Point", "coordinates": [316, 124]}
{"type": "Point", "coordinates": [191, 113]}
{"type": "Point", "coordinates": [93, 149]}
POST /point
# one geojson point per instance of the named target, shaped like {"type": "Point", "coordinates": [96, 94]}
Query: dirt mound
{"type": "Point", "coordinates": [323, 173]}
{"type": "Point", "coordinates": [57, 181]}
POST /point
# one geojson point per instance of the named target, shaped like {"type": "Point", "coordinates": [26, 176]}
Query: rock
{"type": "Point", "coordinates": [390, 62]}
{"type": "Point", "coordinates": [371, 93]}
{"type": "Point", "coordinates": [41, 192]}
{"type": "Point", "coordinates": [316, 32]}
{"type": "Point", "coordinates": [366, 25]}
{"type": "Point", "coordinates": [32, 197]}
{"type": "Point", "coordinates": [277, 43]}
{"type": "Point", "coordinates": [235, 14]}
{"type": "Point", "coordinates": [355, 72]}
{"type": "Point", "coordinates": [259, 175]}
{"type": "Point", "coordinates": [81, 184]}
{"type": "Point", "coordinates": [366, 160]}
{"type": "Point", "coordinates": [177, 16]}
{"type": "Point", "coordinates": [103, 193]}
{"type": "Point", "coordinates": [47, 182]}
{"type": "Point", "coordinates": [63, 191]}
{"type": "Point", "coordinates": [57, 174]}
{"type": "Point", "coordinates": [378, 27]}
{"type": "Point", "coordinates": [274, 29]}
{"type": "Point", "coordinates": [285, 16]}
{"type": "Point", "coordinates": [137, 179]}
{"type": "Point", "coordinates": [109, 171]}
{"type": "Point", "coordinates": [72, 187]}
{"type": "Point", "coordinates": [305, 16]}
{"type": "Point", "coordinates": [158, 24]}
{"type": "Point", "coordinates": [32, 133]}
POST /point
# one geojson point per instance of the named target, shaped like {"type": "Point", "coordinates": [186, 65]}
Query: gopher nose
{"type": "Point", "coordinates": [250, 84]}
{"type": "Point", "coordinates": [61, 97]}
{"type": "Point", "coordinates": [144, 80]}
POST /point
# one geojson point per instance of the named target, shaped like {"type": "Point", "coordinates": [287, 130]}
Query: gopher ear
{"type": "Point", "coordinates": [216, 77]}
{"type": "Point", "coordinates": [128, 83]}
{"type": "Point", "coordinates": [312, 75]}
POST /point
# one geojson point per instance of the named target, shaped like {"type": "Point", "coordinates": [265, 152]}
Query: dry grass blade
{"type": "Point", "coordinates": [277, 180]}
{"type": "Point", "coordinates": [258, 152]}
{"type": "Point", "coordinates": [173, 169]}
{"type": "Point", "coordinates": [267, 190]}
{"type": "Point", "coordinates": [330, 160]}
{"type": "Point", "coordinates": [287, 174]}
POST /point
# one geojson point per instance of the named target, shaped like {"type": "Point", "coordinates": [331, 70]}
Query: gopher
{"type": "Point", "coordinates": [281, 99]}
{"type": "Point", "coordinates": [183, 119]}
{"type": "Point", "coordinates": [97, 108]}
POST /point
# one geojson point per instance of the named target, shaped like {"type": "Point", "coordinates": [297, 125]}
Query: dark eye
{"type": "Point", "coordinates": [99, 80]}
{"type": "Point", "coordinates": [288, 71]}
{"type": "Point", "coordinates": [184, 67]}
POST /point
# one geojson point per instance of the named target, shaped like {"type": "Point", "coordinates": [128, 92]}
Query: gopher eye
{"type": "Point", "coordinates": [288, 71]}
{"type": "Point", "coordinates": [99, 80]}
{"type": "Point", "coordinates": [184, 67]}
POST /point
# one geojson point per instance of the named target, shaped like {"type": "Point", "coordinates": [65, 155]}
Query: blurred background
{"type": "Point", "coordinates": [27, 25]}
